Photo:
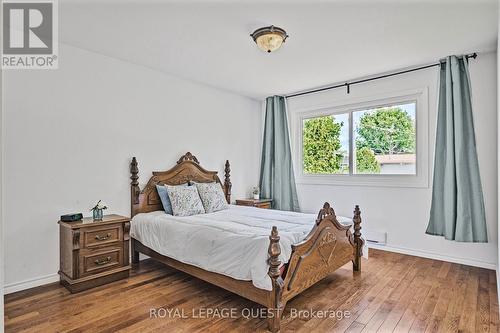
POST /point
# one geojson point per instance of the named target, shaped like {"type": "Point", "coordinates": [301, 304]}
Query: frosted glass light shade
{"type": "Point", "coordinates": [270, 38]}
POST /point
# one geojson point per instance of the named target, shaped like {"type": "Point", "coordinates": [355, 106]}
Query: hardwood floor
{"type": "Point", "coordinates": [393, 293]}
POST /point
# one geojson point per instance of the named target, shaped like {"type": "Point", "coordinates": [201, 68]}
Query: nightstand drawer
{"type": "Point", "coordinates": [98, 236]}
{"type": "Point", "coordinates": [266, 205]}
{"type": "Point", "coordinates": [98, 261]}
{"type": "Point", "coordinates": [259, 203]}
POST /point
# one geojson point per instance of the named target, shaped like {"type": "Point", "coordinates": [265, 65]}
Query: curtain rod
{"type": "Point", "coordinates": [348, 84]}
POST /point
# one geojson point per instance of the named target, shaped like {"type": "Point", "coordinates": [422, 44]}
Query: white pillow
{"type": "Point", "coordinates": [212, 197]}
{"type": "Point", "coordinates": [185, 200]}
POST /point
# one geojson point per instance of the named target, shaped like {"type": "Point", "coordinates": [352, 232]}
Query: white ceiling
{"type": "Point", "coordinates": [330, 41]}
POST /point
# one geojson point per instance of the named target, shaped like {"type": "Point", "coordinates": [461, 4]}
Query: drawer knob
{"type": "Point", "coordinates": [101, 238]}
{"type": "Point", "coordinates": [102, 261]}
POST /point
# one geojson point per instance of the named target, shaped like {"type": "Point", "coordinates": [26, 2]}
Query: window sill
{"type": "Point", "coordinates": [364, 180]}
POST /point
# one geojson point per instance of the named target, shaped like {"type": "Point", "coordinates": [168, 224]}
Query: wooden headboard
{"type": "Point", "coordinates": [187, 169]}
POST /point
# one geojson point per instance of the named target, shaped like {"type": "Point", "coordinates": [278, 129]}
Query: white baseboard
{"type": "Point", "coordinates": [39, 281]}
{"type": "Point", "coordinates": [433, 255]}
{"type": "Point", "coordinates": [31, 283]}
{"type": "Point", "coordinates": [498, 287]}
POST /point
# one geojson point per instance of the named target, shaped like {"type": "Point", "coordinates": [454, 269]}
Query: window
{"type": "Point", "coordinates": [384, 140]}
{"type": "Point", "coordinates": [366, 143]}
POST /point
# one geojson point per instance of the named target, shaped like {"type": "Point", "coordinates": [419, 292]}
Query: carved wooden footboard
{"type": "Point", "coordinates": [329, 246]}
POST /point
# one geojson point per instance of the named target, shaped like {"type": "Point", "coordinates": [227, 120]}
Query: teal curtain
{"type": "Point", "coordinates": [277, 180]}
{"type": "Point", "coordinates": [457, 209]}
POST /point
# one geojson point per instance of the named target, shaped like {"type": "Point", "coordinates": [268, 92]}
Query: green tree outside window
{"type": "Point", "coordinates": [321, 145]}
{"type": "Point", "coordinates": [365, 161]}
{"type": "Point", "coordinates": [384, 131]}
{"type": "Point", "coordinates": [387, 131]}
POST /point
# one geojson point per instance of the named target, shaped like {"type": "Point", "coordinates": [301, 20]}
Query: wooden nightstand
{"type": "Point", "coordinates": [94, 253]}
{"type": "Point", "coordinates": [259, 203]}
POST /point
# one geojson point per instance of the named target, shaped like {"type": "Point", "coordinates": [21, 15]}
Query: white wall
{"type": "Point", "coordinates": [498, 151]}
{"type": "Point", "coordinates": [70, 135]}
{"type": "Point", "coordinates": [403, 212]}
{"type": "Point", "coordinates": [2, 251]}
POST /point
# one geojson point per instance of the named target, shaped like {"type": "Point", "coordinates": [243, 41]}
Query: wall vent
{"type": "Point", "coordinates": [376, 237]}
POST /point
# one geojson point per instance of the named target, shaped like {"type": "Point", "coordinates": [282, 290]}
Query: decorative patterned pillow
{"type": "Point", "coordinates": [185, 200]}
{"type": "Point", "coordinates": [212, 196]}
{"type": "Point", "coordinates": [165, 201]}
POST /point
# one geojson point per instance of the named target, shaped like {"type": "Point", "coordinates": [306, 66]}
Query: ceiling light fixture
{"type": "Point", "coordinates": [270, 38]}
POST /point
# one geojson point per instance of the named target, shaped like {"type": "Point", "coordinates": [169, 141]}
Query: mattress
{"type": "Point", "coordinates": [231, 242]}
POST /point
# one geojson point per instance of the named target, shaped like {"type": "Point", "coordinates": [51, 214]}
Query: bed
{"type": "Point", "coordinates": [266, 256]}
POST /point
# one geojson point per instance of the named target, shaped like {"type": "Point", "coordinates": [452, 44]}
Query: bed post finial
{"type": "Point", "coordinates": [358, 241]}
{"type": "Point", "coordinates": [134, 185]}
{"type": "Point", "coordinates": [227, 181]}
{"type": "Point", "coordinates": [324, 212]}
{"type": "Point", "coordinates": [275, 306]}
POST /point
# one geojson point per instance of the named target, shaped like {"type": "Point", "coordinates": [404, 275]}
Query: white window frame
{"type": "Point", "coordinates": [420, 179]}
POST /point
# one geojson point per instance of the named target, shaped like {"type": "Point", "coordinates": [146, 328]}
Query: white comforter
{"type": "Point", "coordinates": [232, 242]}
